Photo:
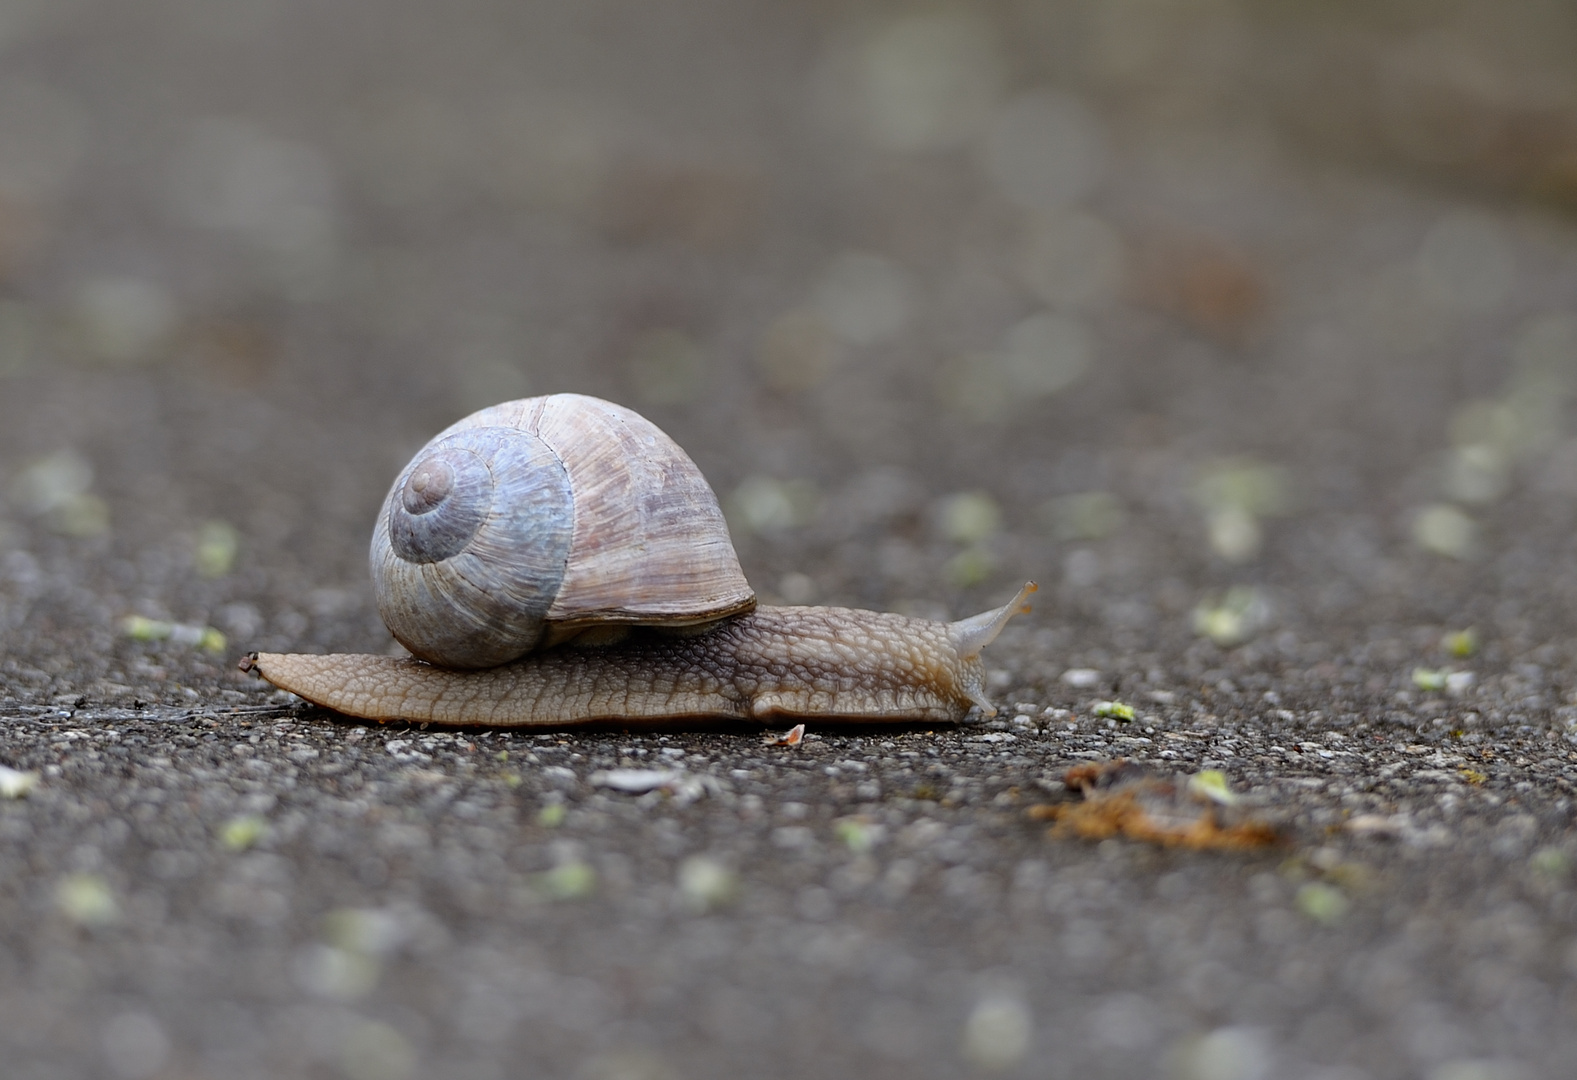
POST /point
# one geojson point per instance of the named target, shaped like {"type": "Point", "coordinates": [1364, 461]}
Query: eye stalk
{"type": "Point", "coordinates": [973, 634]}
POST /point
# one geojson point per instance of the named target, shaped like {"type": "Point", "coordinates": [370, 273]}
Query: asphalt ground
{"type": "Point", "coordinates": [939, 302]}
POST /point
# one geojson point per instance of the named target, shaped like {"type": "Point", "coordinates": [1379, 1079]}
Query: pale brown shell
{"type": "Point", "coordinates": [646, 541]}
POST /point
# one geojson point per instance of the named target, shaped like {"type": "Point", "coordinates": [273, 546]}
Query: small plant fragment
{"type": "Point", "coordinates": [215, 550]}
{"type": "Point", "coordinates": [706, 884]}
{"type": "Point", "coordinates": [1235, 494]}
{"type": "Point", "coordinates": [1322, 902]}
{"type": "Point", "coordinates": [1443, 529]}
{"type": "Point", "coordinates": [793, 737]}
{"type": "Point", "coordinates": [1113, 710]}
{"type": "Point", "coordinates": [858, 834]}
{"type": "Point", "coordinates": [141, 628]}
{"type": "Point", "coordinates": [16, 784]}
{"type": "Point", "coordinates": [87, 899]}
{"type": "Point", "coordinates": [1238, 615]}
{"type": "Point", "coordinates": [1212, 785]}
{"type": "Point", "coordinates": [572, 880]}
{"type": "Point", "coordinates": [1550, 862]}
{"type": "Point", "coordinates": [1121, 799]}
{"type": "Point", "coordinates": [240, 833]}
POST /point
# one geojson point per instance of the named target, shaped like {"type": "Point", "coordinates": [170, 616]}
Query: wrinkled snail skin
{"type": "Point", "coordinates": [833, 664]}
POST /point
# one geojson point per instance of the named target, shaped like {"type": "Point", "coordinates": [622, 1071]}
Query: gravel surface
{"type": "Point", "coordinates": [1274, 405]}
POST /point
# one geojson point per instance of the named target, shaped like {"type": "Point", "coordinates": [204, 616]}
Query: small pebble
{"type": "Point", "coordinates": [87, 899]}
{"type": "Point", "coordinates": [15, 784]}
{"type": "Point", "coordinates": [1323, 903]}
{"type": "Point", "coordinates": [635, 781]}
{"type": "Point", "coordinates": [706, 884]}
{"type": "Point", "coordinates": [998, 1031]}
{"type": "Point", "coordinates": [240, 833]}
{"type": "Point", "coordinates": [572, 880]}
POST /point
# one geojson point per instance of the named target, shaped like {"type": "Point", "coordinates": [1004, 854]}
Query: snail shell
{"type": "Point", "coordinates": [531, 522]}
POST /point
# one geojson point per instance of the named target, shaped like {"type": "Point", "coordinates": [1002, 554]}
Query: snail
{"type": "Point", "coordinates": [559, 560]}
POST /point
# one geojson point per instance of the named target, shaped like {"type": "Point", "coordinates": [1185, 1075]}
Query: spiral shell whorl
{"type": "Point", "coordinates": [443, 499]}
{"type": "Point", "coordinates": [477, 528]}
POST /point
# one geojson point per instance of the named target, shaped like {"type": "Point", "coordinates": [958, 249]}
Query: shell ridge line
{"type": "Point", "coordinates": [450, 591]}
{"type": "Point", "coordinates": [532, 419]}
{"type": "Point", "coordinates": [501, 478]}
{"type": "Point", "coordinates": [458, 567]}
{"type": "Point", "coordinates": [574, 512]}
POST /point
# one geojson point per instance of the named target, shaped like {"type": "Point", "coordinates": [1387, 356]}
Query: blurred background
{"type": "Point", "coordinates": [1216, 317]}
{"type": "Point", "coordinates": [1249, 329]}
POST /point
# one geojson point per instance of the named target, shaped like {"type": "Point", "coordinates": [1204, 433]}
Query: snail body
{"type": "Point", "coordinates": [835, 664]}
{"type": "Point", "coordinates": [558, 561]}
